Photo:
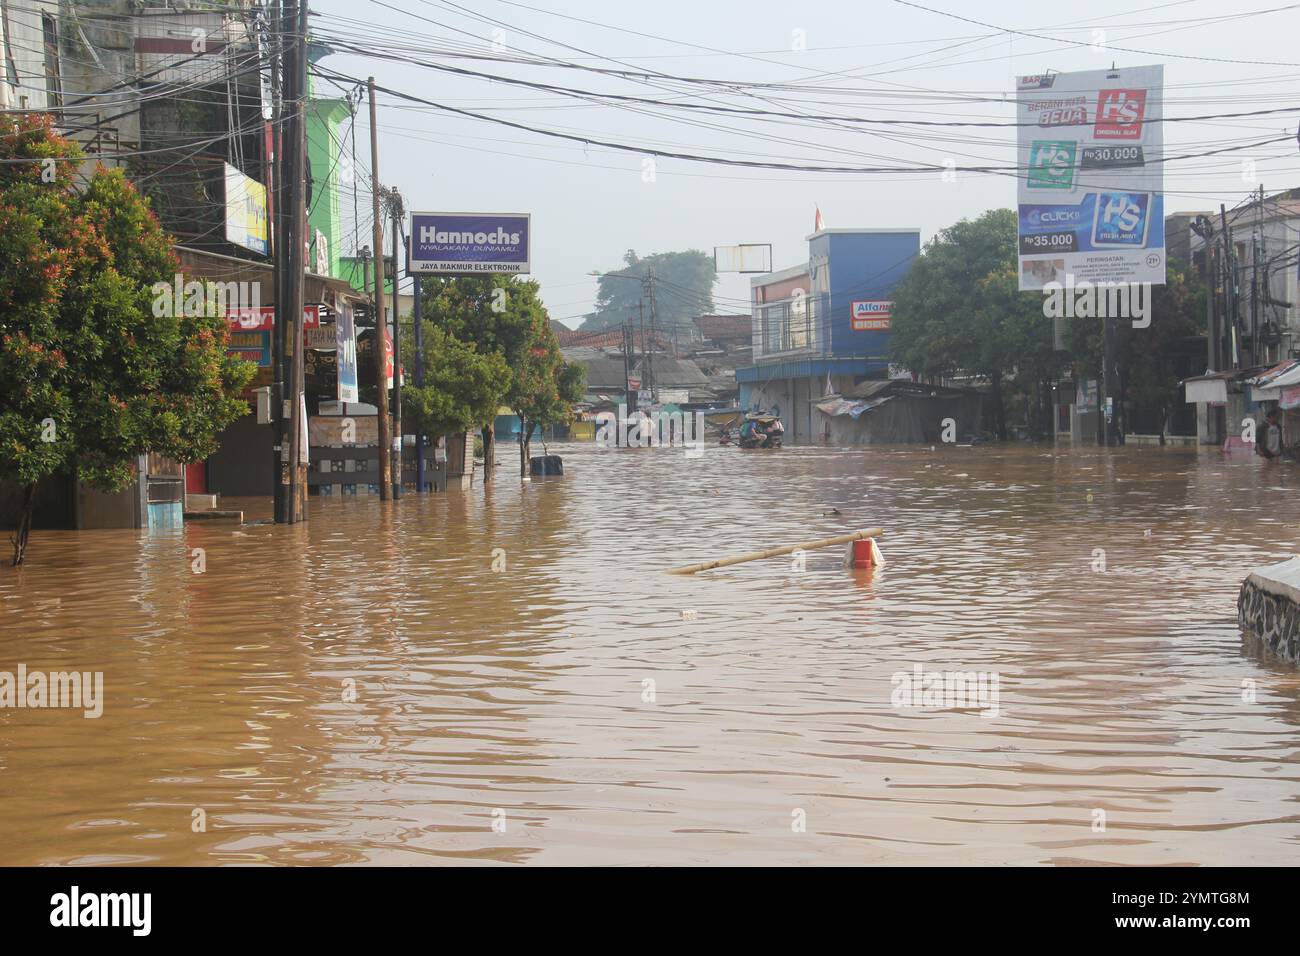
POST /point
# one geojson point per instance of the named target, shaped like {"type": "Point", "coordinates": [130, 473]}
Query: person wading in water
{"type": "Point", "coordinates": [1270, 443]}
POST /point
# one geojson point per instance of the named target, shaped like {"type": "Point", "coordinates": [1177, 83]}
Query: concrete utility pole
{"type": "Point", "coordinates": [294, 301]}
{"type": "Point", "coordinates": [1229, 285]}
{"type": "Point", "coordinates": [381, 320]}
{"type": "Point", "coordinates": [648, 349]}
{"type": "Point", "coordinates": [417, 315]}
{"type": "Point", "coordinates": [290, 215]}
{"type": "Point", "coordinates": [1110, 376]}
{"type": "Point", "coordinates": [1258, 351]}
{"type": "Point", "coordinates": [280, 261]}
{"type": "Point", "coordinates": [395, 209]}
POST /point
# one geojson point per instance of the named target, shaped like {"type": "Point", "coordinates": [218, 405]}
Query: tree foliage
{"type": "Point", "coordinates": [463, 387]}
{"type": "Point", "coordinates": [92, 376]}
{"type": "Point", "coordinates": [958, 310]}
{"type": "Point", "coordinates": [1149, 378]}
{"type": "Point", "coordinates": [497, 318]}
{"type": "Point", "coordinates": [684, 290]}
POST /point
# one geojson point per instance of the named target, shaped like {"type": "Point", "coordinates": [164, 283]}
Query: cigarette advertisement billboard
{"type": "Point", "coordinates": [1090, 177]}
{"type": "Point", "coordinates": [247, 224]}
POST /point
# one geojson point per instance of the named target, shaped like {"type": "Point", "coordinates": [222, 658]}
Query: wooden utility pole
{"type": "Point", "coordinates": [381, 320]}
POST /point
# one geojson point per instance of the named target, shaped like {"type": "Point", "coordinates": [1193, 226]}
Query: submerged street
{"type": "Point", "coordinates": [381, 685]}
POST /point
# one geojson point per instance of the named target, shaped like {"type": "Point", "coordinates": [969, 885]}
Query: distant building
{"type": "Point", "coordinates": [1178, 235]}
{"type": "Point", "coordinates": [726, 332]}
{"type": "Point", "coordinates": [823, 325]}
{"type": "Point", "coordinates": [1261, 330]}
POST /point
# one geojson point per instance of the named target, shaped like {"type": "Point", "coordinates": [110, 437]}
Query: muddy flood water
{"type": "Point", "coordinates": [366, 688]}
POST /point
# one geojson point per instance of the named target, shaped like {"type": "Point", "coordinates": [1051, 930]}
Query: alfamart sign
{"type": "Point", "coordinates": [453, 243]}
{"type": "Point", "coordinates": [872, 315]}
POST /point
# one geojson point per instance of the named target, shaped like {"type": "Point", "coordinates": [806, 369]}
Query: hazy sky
{"type": "Point", "coordinates": [869, 58]}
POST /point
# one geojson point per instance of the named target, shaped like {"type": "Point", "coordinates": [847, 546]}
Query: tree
{"type": "Point", "coordinates": [544, 390]}
{"type": "Point", "coordinates": [958, 310]}
{"type": "Point", "coordinates": [93, 377]}
{"type": "Point", "coordinates": [683, 290]}
{"type": "Point", "coordinates": [1147, 357]}
{"type": "Point", "coordinates": [504, 316]}
{"type": "Point", "coordinates": [463, 387]}
{"type": "Point", "coordinates": [1015, 347]}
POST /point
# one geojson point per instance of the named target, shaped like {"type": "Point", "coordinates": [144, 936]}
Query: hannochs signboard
{"type": "Point", "coordinates": [452, 243]}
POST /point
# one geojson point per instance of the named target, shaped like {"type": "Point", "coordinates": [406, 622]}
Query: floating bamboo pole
{"type": "Point", "coordinates": [773, 552]}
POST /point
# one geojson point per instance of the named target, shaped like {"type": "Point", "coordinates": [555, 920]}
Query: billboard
{"type": "Point", "coordinates": [454, 243]}
{"type": "Point", "coordinates": [749, 257]}
{"type": "Point", "coordinates": [246, 219]}
{"type": "Point", "coordinates": [1090, 177]}
{"type": "Point", "coordinates": [346, 348]}
{"type": "Point", "coordinates": [263, 317]}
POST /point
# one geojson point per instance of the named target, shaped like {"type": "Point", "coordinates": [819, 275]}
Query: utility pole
{"type": "Point", "coordinates": [629, 363]}
{"type": "Point", "coordinates": [381, 320]}
{"type": "Point", "coordinates": [1204, 228]}
{"type": "Point", "coordinates": [395, 209]}
{"type": "Point", "coordinates": [294, 301]}
{"type": "Point", "coordinates": [636, 401]}
{"type": "Point", "coordinates": [648, 349]}
{"type": "Point", "coordinates": [289, 205]}
{"type": "Point", "coordinates": [1258, 349]}
{"type": "Point", "coordinates": [1110, 379]}
{"type": "Point", "coordinates": [418, 317]}
{"type": "Point", "coordinates": [1229, 285]}
{"type": "Point", "coordinates": [280, 262]}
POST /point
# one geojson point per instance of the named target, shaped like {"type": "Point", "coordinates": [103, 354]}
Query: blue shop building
{"type": "Point", "coordinates": [826, 320]}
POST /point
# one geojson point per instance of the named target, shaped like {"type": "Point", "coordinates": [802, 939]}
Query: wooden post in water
{"type": "Point", "coordinates": [773, 552]}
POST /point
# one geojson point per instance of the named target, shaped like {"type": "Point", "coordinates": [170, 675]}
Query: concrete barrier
{"type": "Point", "coordinates": [1268, 609]}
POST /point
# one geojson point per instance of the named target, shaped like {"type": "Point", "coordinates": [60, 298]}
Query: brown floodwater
{"type": "Point", "coordinates": [580, 706]}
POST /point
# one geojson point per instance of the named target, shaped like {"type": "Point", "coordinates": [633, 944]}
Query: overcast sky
{"type": "Point", "coordinates": [860, 58]}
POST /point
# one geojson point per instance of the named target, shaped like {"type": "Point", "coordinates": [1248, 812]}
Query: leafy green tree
{"type": "Point", "coordinates": [504, 315]}
{"type": "Point", "coordinates": [1148, 374]}
{"type": "Point", "coordinates": [958, 310]}
{"type": "Point", "coordinates": [1014, 350]}
{"type": "Point", "coordinates": [544, 391]}
{"type": "Point", "coordinates": [683, 290]}
{"type": "Point", "coordinates": [463, 387]}
{"type": "Point", "coordinates": [93, 378]}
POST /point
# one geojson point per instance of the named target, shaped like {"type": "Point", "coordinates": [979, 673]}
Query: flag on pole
{"type": "Point", "coordinates": [818, 224]}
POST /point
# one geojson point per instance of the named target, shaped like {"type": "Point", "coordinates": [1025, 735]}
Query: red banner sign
{"type": "Point", "coordinates": [248, 320]}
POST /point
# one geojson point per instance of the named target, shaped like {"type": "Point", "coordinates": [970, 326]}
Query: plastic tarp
{"type": "Point", "coordinates": [844, 406]}
{"type": "Point", "coordinates": [896, 419]}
